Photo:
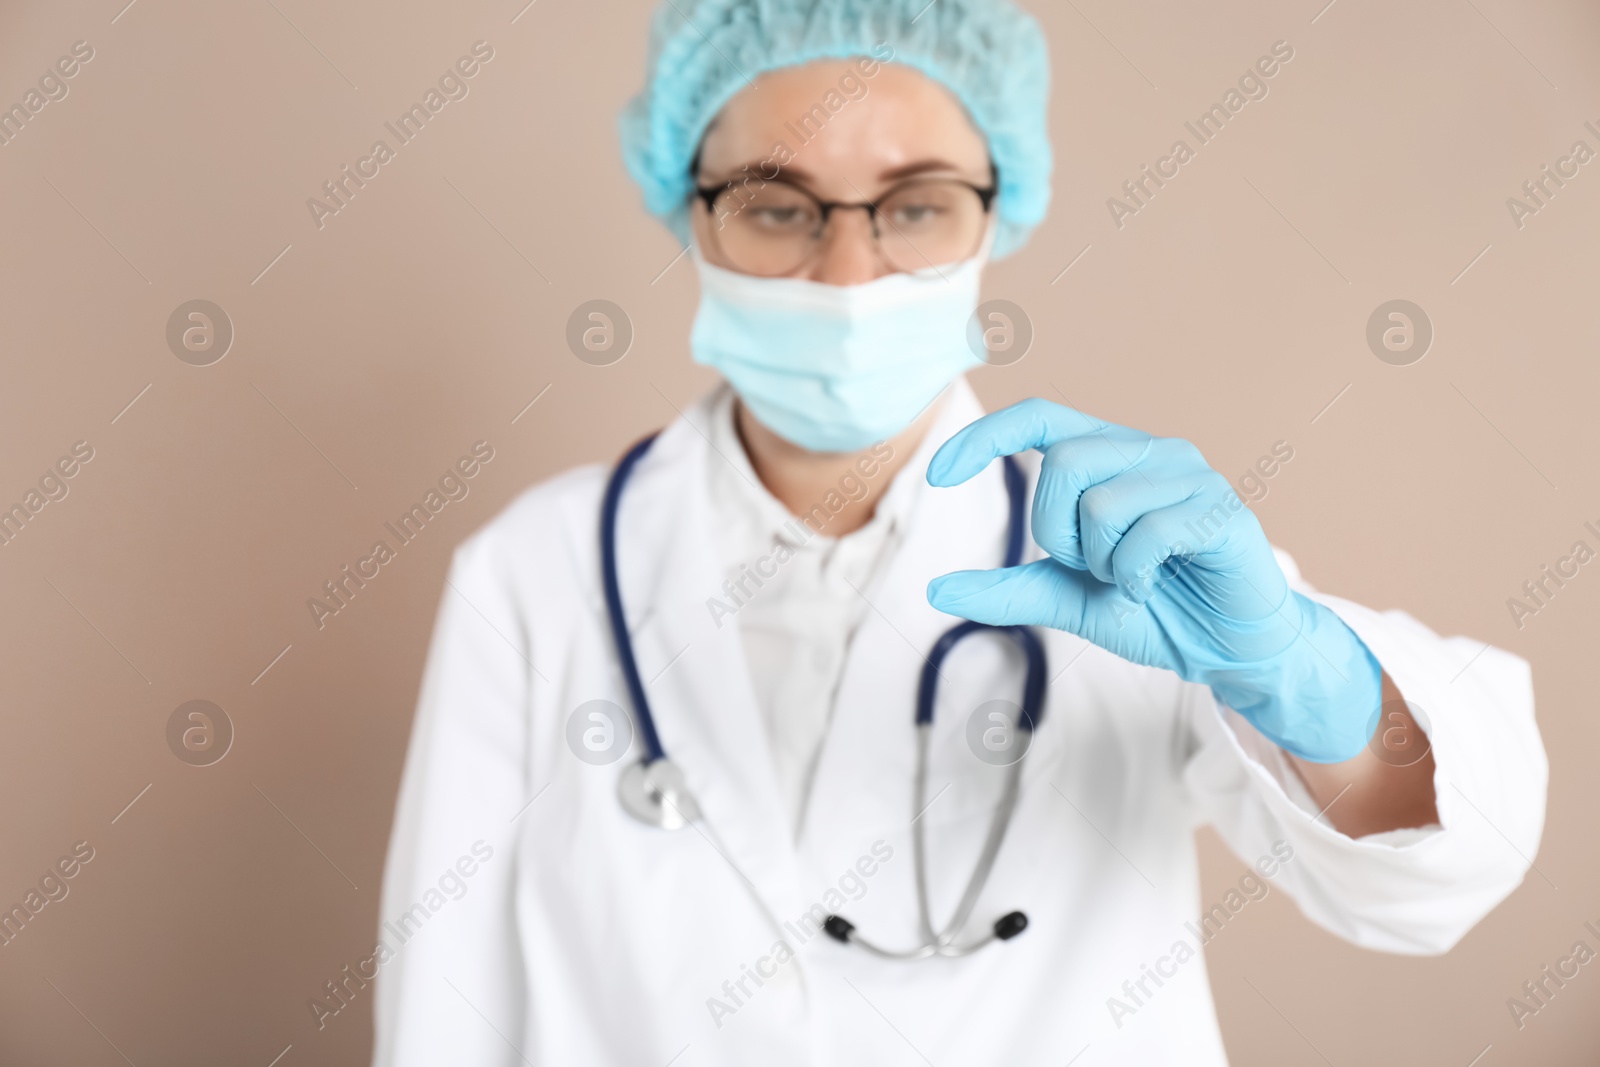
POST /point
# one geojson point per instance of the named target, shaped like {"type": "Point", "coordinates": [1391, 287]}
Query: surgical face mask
{"type": "Point", "coordinates": [835, 368]}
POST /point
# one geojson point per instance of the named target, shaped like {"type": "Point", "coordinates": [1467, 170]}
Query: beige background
{"type": "Point", "coordinates": [428, 313]}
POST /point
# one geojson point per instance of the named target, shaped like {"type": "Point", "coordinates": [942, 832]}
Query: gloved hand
{"type": "Point", "coordinates": [1153, 556]}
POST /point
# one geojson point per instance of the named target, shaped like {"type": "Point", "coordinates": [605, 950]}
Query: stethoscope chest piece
{"type": "Point", "coordinates": [656, 795]}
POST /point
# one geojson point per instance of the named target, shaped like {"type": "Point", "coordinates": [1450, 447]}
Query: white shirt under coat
{"type": "Point", "coordinates": [589, 938]}
{"type": "Point", "coordinates": [797, 591]}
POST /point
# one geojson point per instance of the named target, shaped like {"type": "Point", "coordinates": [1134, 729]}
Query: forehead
{"type": "Point", "coordinates": [844, 121]}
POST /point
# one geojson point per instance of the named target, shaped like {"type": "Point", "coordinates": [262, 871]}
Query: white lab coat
{"type": "Point", "coordinates": [588, 938]}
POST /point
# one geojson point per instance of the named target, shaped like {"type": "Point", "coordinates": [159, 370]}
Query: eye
{"type": "Point", "coordinates": [913, 214]}
{"type": "Point", "coordinates": [780, 216]}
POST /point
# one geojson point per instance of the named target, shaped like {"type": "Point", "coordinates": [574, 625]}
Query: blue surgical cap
{"type": "Point", "coordinates": [989, 53]}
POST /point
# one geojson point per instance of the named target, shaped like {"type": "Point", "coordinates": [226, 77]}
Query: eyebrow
{"type": "Point", "coordinates": [921, 166]}
{"type": "Point", "coordinates": [801, 175]}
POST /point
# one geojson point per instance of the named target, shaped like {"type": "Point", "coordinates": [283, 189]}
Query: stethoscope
{"type": "Point", "coordinates": [653, 789]}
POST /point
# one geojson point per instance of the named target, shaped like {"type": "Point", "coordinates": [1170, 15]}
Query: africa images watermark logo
{"type": "Point", "coordinates": [852, 87]}
{"type": "Point", "coordinates": [852, 885]}
{"type": "Point", "coordinates": [52, 487]}
{"type": "Point", "coordinates": [1252, 85]}
{"type": "Point", "coordinates": [52, 87]}
{"type": "Point", "coordinates": [339, 992]}
{"type": "Point", "coordinates": [796, 534]}
{"type": "Point", "coordinates": [453, 485]}
{"type": "Point", "coordinates": [1538, 192]}
{"type": "Point", "coordinates": [52, 888]}
{"type": "Point", "coordinates": [1252, 489]}
{"type": "Point", "coordinates": [453, 85]}
{"type": "Point", "coordinates": [1537, 993]}
{"type": "Point", "coordinates": [1250, 888]}
{"type": "Point", "coordinates": [1539, 591]}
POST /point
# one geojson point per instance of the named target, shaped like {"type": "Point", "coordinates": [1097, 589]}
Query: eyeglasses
{"type": "Point", "coordinates": [774, 227]}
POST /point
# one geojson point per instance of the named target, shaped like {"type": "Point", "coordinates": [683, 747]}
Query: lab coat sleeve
{"type": "Point", "coordinates": [454, 986]}
{"type": "Point", "coordinates": [1412, 890]}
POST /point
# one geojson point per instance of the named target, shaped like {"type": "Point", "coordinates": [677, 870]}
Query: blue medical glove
{"type": "Point", "coordinates": [1153, 556]}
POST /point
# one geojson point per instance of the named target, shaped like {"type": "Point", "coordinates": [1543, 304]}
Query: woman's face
{"type": "Point", "coordinates": [904, 125]}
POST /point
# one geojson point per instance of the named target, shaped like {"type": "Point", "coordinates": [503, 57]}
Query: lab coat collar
{"type": "Point", "coordinates": [692, 660]}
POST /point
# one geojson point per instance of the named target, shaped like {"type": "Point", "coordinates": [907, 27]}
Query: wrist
{"type": "Point", "coordinates": [1320, 698]}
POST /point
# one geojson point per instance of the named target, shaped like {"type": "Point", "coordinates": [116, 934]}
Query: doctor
{"type": "Point", "coordinates": [781, 564]}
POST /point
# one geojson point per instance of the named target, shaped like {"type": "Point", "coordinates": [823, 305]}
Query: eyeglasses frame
{"type": "Point", "coordinates": [986, 196]}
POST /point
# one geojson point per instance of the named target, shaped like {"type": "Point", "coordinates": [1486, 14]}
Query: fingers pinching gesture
{"type": "Point", "coordinates": [1151, 555]}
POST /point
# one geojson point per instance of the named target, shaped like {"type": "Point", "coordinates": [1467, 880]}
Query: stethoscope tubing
{"type": "Point", "coordinates": [669, 806]}
{"type": "Point", "coordinates": [649, 740]}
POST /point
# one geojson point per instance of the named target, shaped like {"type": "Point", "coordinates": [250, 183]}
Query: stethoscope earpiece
{"type": "Point", "coordinates": [1008, 926]}
{"type": "Point", "coordinates": [1005, 928]}
{"type": "Point", "coordinates": [838, 928]}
